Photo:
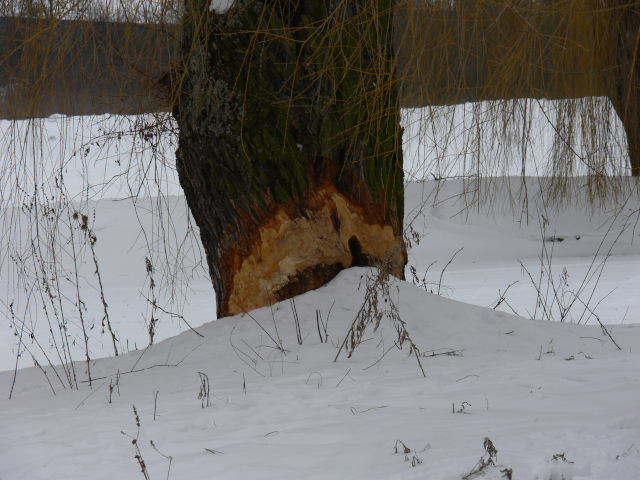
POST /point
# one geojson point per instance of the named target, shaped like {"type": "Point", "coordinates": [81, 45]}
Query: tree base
{"type": "Point", "coordinates": [292, 253]}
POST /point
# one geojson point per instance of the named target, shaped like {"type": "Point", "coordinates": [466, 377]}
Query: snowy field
{"type": "Point", "coordinates": [556, 400]}
{"type": "Point", "coordinates": [495, 247]}
{"type": "Point", "coordinates": [244, 399]}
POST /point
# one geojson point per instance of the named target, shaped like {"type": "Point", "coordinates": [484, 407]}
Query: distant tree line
{"type": "Point", "coordinates": [115, 57]}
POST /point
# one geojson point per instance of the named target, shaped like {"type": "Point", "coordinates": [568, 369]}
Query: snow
{"type": "Point", "coordinates": [493, 245]}
{"type": "Point", "coordinates": [498, 243]}
{"type": "Point", "coordinates": [220, 6]}
{"type": "Point", "coordinates": [536, 389]}
{"type": "Point", "coordinates": [558, 400]}
{"type": "Point", "coordinates": [443, 141]}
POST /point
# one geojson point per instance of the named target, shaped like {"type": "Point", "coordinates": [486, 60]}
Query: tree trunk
{"type": "Point", "coordinates": [626, 97]}
{"type": "Point", "coordinates": [290, 144]}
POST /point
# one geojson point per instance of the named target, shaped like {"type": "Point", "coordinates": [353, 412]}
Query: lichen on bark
{"type": "Point", "coordinates": [287, 109]}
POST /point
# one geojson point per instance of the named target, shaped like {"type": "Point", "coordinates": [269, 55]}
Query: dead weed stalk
{"type": "Point", "coordinates": [378, 303]}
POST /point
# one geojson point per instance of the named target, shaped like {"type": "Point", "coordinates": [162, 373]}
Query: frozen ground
{"type": "Point", "coordinates": [493, 245]}
{"type": "Point", "coordinates": [598, 248]}
{"type": "Point", "coordinates": [557, 400]}
{"type": "Point", "coordinates": [536, 389]}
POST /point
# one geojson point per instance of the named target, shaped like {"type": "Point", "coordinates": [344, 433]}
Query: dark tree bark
{"type": "Point", "coordinates": [290, 144]}
{"type": "Point", "coordinates": [626, 97]}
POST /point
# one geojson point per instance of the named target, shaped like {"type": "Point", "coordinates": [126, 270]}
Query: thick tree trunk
{"type": "Point", "coordinates": [626, 96]}
{"type": "Point", "coordinates": [290, 144]}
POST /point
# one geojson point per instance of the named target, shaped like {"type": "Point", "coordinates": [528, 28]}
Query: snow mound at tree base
{"type": "Point", "coordinates": [556, 400]}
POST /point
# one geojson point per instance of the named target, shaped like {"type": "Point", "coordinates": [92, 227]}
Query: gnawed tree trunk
{"type": "Point", "coordinates": [290, 144]}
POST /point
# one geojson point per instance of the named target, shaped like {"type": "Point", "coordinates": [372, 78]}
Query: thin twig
{"type": "Point", "coordinates": [296, 320]}
{"type": "Point", "coordinates": [601, 325]}
{"type": "Point", "coordinates": [278, 346]}
{"type": "Point", "coordinates": [445, 267]}
{"type": "Point", "coordinates": [172, 314]}
{"type": "Point", "coordinates": [166, 365]}
{"type": "Point", "coordinates": [155, 403]}
{"type": "Point", "coordinates": [87, 397]}
{"type": "Point", "coordinates": [502, 297]}
{"type": "Point", "coordinates": [236, 350]}
{"type": "Point", "coordinates": [345, 376]}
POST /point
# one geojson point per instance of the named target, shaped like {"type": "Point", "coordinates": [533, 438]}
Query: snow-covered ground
{"type": "Point", "coordinates": [558, 400]}
{"type": "Point", "coordinates": [493, 245]}
{"type": "Point", "coordinates": [598, 249]}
